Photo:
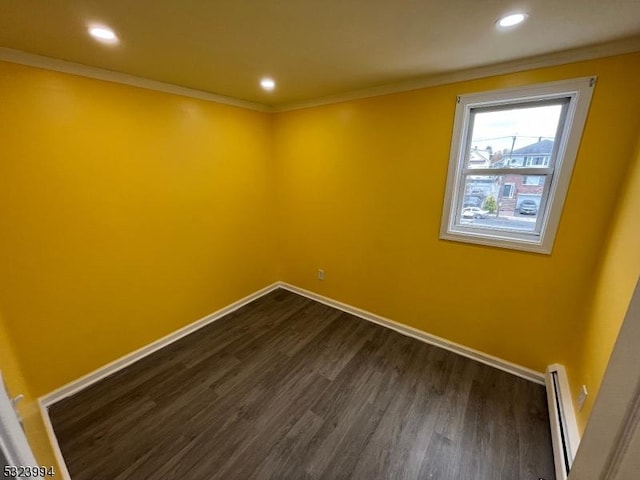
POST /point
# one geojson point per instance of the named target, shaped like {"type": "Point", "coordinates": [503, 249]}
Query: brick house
{"type": "Point", "coordinates": [516, 188]}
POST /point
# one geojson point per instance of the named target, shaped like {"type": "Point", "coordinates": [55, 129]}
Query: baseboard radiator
{"type": "Point", "coordinates": [564, 428]}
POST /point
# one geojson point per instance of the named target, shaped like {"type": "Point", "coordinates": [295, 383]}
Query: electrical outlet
{"type": "Point", "coordinates": [320, 274]}
{"type": "Point", "coordinates": [582, 396]}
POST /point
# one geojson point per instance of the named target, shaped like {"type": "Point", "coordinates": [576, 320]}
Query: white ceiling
{"type": "Point", "coordinates": [312, 48]}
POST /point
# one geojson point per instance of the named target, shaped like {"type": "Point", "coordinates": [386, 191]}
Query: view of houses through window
{"type": "Point", "coordinates": [514, 142]}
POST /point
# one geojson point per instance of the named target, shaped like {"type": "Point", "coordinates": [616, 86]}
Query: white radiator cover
{"type": "Point", "coordinates": [564, 427]}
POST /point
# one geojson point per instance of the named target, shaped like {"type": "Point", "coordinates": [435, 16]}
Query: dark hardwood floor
{"type": "Point", "coordinates": [287, 388]}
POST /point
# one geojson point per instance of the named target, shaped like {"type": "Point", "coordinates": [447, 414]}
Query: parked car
{"type": "Point", "coordinates": [474, 212]}
{"type": "Point", "coordinates": [528, 207]}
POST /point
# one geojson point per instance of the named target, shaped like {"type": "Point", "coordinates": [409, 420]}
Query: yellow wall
{"type": "Point", "coordinates": [28, 407]}
{"type": "Point", "coordinates": [615, 281]}
{"type": "Point", "coordinates": [125, 214]}
{"type": "Point", "coordinates": [360, 193]}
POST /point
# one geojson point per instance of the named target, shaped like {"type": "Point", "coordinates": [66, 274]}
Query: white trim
{"type": "Point", "coordinates": [623, 445]}
{"type": "Point", "coordinates": [71, 388]}
{"type": "Point", "coordinates": [126, 360]}
{"type": "Point", "coordinates": [423, 336]}
{"type": "Point", "coordinates": [13, 441]}
{"type": "Point", "coordinates": [592, 52]}
{"type": "Point", "coordinates": [53, 440]}
{"type": "Point", "coordinates": [39, 61]}
{"type": "Point", "coordinates": [85, 381]}
{"type": "Point", "coordinates": [89, 379]}
{"type": "Point", "coordinates": [572, 121]}
{"type": "Point", "coordinates": [563, 421]}
{"type": "Point", "coordinates": [611, 440]}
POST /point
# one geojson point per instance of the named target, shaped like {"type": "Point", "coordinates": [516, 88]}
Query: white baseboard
{"type": "Point", "coordinates": [83, 382]}
{"type": "Point", "coordinates": [423, 336]}
{"type": "Point", "coordinates": [565, 438]}
{"type": "Point", "coordinates": [53, 440]}
{"type": "Point", "coordinates": [126, 360]}
{"type": "Point", "coordinates": [109, 369]}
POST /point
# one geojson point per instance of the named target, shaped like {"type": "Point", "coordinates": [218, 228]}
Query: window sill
{"type": "Point", "coordinates": [535, 245]}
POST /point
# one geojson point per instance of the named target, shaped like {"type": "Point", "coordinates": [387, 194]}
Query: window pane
{"type": "Point", "coordinates": [521, 136]}
{"type": "Point", "coordinates": [502, 202]}
{"type": "Point", "coordinates": [531, 180]}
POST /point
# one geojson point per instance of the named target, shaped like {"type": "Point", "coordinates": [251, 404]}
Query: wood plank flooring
{"type": "Point", "coordinates": [287, 388]}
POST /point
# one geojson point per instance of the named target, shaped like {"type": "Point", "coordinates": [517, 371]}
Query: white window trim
{"type": "Point", "coordinates": [580, 92]}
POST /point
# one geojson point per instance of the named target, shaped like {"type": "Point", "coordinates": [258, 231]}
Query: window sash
{"type": "Point", "coordinates": [547, 172]}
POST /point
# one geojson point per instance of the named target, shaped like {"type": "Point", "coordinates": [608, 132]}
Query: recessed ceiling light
{"type": "Point", "coordinates": [267, 84]}
{"type": "Point", "coordinates": [103, 34]}
{"type": "Point", "coordinates": [511, 20]}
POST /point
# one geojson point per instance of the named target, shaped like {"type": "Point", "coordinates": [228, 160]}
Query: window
{"type": "Point", "coordinates": [536, 161]}
{"type": "Point", "coordinates": [531, 180]}
{"type": "Point", "coordinates": [533, 134]}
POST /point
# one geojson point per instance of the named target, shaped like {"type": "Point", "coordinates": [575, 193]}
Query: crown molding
{"type": "Point", "coordinates": [618, 47]}
{"type": "Point", "coordinates": [49, 63]}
